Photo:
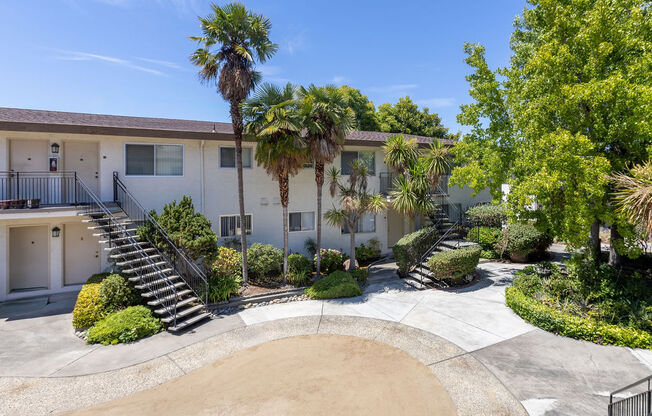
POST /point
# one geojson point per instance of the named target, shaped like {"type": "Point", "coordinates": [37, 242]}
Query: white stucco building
{"type": "Point", "coordinates": [49, 249]}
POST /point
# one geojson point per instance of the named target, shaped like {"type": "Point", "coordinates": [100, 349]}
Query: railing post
{"type": "Point", "coordinates": [115, 186]}
{"type": "Point", "coordinates": [649, 398]}
{"type": "Point", "coordinates": [17, 185]}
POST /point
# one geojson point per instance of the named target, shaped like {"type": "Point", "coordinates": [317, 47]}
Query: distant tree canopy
{"type": "Point", "coordinates": [365, 111]}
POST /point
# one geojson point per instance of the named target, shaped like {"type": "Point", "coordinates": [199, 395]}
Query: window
{"type": "Point", "coordinates": [154, 159]}
{"type": "Point", "coordinates": [367, 157]}
{"type": "Point", "coordinates": [227, 157]}
{"type": "Point", "coordinates": [302, 221]}
{"type": "Point", "coordinates": [366, 224]}
{"type": "Point", "coordinates": [230, 225]}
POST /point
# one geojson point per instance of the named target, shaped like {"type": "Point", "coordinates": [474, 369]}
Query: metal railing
{"type": "Point", "coordinates": [387, 184]}
{"type": "Point", "coordinates": [190, 272]}
{"type": "Point", "coordinates": [49, 188]}
{"type": "Point", "coordinates": [637, 405]}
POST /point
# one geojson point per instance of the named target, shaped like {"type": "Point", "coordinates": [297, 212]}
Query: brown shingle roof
{"type": "Point", "coordinates": [18, 119]}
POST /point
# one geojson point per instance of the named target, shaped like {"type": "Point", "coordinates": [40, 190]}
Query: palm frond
{"type": "Point", "coordinates": [634, 195]}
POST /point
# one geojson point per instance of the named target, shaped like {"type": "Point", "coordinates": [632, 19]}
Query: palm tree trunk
{"type": "Point", "coordinates": [236, 120]}
{"type": "Point", "coordinates": [319, 178]}
{"type": "Point", "coordinates": [284, 190]}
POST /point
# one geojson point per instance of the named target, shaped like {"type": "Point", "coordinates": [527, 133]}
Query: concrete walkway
{"type": "Point", "coordinates": [548, 374]}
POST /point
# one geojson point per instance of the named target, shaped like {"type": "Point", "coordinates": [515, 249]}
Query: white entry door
{"type": "Point", "coordinates": [83, 158]}
{"type": "Point", "coordinates": [82, 253]}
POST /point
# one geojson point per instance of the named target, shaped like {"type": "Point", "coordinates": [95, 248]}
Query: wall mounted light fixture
{"type": "Point", "coordinates": [54, 147]}
{"type": "Point", "coordinates": [56, 231]}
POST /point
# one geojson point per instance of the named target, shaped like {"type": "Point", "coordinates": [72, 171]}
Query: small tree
{"type": "Point", "coordinates": [354, 202]}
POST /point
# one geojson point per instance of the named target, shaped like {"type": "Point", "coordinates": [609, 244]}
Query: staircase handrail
{"type": "Point", "coordinates": [179, 252]}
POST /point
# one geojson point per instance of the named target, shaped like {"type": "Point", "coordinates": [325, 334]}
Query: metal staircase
{"type": "Point", "coordinates": [170, 282]}
{"type": "Point", "coordinates": [451, 238]}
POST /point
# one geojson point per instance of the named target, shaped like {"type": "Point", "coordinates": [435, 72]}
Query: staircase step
{"type": "Point", "coordinates": [158, 301]}
{"type": "Point", "coordinates": [184, 324]}
{"type": "Point", "coordinates": [164, 289]}
{"type": "Point", "coordinates": [104, 234]}
{"type": "Point", "coordinates": [93, 213]}
{"type": "Point", "coordinates": [141, 244]}
{"type": "Point", "coordinates": [182, 313]}
{"type": "Point", "coordinates": [99, 227]}
{"type": "Point", "coordinates": [105, 219]}
{"type": "Point", "coordinates": [156, 273]}
{"type": "Point", "coordinates": [138, 260]}
{"type": "Point", "coordinates": [153, 282]}
{"type": "Point", "coordinates": [132, 253]}
{"type": "Point", "coordinates": [117, 240]}
{"type": "Point", "coordinates": [421, 278]}
{"type": "Point", "coordinates": [186, 301]}
{"type": "Point", "coordinates": [415, 284]}
{"type": "Point", "coordinates": [145, 267]}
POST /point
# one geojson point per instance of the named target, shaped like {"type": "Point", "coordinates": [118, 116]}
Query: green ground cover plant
{"type": "Point", "coordinates": [487, 237]}
{"type": "Point", "coordinates": [299, 270]}
{"type": "Point", "coordinates": [338, 284]}
{"type": "Point", "coordinates": [125, 326]}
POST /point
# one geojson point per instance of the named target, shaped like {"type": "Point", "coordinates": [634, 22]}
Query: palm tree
{"type": "Point", "coordinates": [437, 162]}
{"type": "Point", "coordinates": [327, 119]}
{"type": "Point", "coordinates": [232, 39]}
{"type": "Point", "coordinates": [400, 153]}
{"type": "Point", "coordinates": [273, 117]}
{"type": "Point", "coordinates": [634, 195]}
{"type": "Point", "coordinates": [354, 202]}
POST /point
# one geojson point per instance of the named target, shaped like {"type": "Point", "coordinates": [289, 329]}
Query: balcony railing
{"type": "Point", "coordinates": [31, 189]}
{"type": "Point", "coordinates": [387, 184]}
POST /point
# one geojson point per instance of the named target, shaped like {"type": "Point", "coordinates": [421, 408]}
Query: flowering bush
{"type": "Point", "coordinates": [331, 260]}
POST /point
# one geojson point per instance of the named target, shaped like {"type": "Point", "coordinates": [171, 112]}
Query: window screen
{"type": "Point", "coordinates": [230, 225]}
{"type": "Point", "coordinates": [227, 157]}
{"type": "Point", "coordinates": [169, 160]}
{"type": "Point", "coordinates": [302, 221]}
{"type": "Point", "coordinates": [140, 159]}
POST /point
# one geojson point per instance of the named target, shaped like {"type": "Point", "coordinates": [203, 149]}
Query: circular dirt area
{"type": "Point", "coordinates": [305, 375]}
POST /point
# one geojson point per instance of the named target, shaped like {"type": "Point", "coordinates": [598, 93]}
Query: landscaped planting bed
{"type": "Point", "coordinates": [455, 266]}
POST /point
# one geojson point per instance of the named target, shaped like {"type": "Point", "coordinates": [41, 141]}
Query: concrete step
{"type": "Point", "coordinates": [185, 324]}
{"type": "Point", "coordinates": [186, 301]}
{"type": "Point", "coordinates": [145, 267]}
{"type": "Point", "coordinates": [105, 219]}
{"type": "Point", "coordinates": [164, 289]}
{"type": "Point", "coordinates": [140, 244]}
{"type": "Point", "coordinates": [156, 273]}
{"type": "Point", "coordinates": [138, 260]}
{"type": "Point", "coordinates": [182, 313]}
{"type": "Point", "coordinates": [132, 253]}
{"type": "Point", "coordinates": [117, 240]}
{"type": "Point", "coordinates": [153, 282]}
{"type": "Point", "coordinates": [95, 213]}
{"type": "Point", "coordinates": [119, 225]}
{"type": "Point", "coordinates": [107, 233]}
{"type": "Point", "coordinates": [414, 283]}
{"type": "Point", "coordinates": [158, 301]}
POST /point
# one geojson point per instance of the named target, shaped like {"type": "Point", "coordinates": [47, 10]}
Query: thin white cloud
{"type": "Point", "coordinates": [84, 56]}
{"type": "Point", "coordinates": [159, 62]}
{"type": "Point", "coordinates": [339, 79]}
{"type": "Point", "coordinates": [394, 88]}
{"type": "Point", "coordinates": [114, 2]}
{"type": "Point", "coordinates": [296, 42]}
{"type": "Point", "coordinates": [437, 102]}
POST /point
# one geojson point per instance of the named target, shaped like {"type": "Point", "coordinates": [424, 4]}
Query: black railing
{"type": "Point", "coordinates": [637, 405]}
{"type": "Point", "coordinates": [387, 184]}
{"type": "Point", "coordinates": [190, 272]}
{"type": "Point", "coordinates": [39, 188]}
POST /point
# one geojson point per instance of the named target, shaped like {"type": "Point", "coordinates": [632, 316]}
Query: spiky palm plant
{"type": "Point", "coordinates": [354, 203]}
{"type": "Point", "coordinates": [634, 195]}
{"type": "Point", "coordinates": [272, 116]}
{"type": "Point", "coordinates": [437, 162]}
{"type": "Point", "coordinates": [327, 120]}
{"type": "Point", "coordinates": [232, 39]}
{"type": "Point", "coordinates": [400, 153]}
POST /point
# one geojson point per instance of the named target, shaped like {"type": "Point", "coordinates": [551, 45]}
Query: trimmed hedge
{"type": "Point", "coordinates": [487, 237]}
{"type": "Point", "coordinates": [576, 327]}
{"type": "Point", "coordinates": [338, 284]}
{"type": "Point", "coordinates": [124, 326]}
{"type": "Point", "coordinates": [409, 249]}
{"type": "Point", "coordinates": [454, 264]}
{"type": "Point", "coordinates": [487, 215]}
{"type": "Point", "coordinates": [97, 278]}
{"type": "Point", "coordinates": [522, 239]}
{"type": "Point", "coordinates": [264, 260]}
{"type": "Point", "coordinates": [88, 308]}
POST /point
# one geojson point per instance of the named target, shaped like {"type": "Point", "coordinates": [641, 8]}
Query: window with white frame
{"type": "Point", "coordinates": [302, 221]}
{"type": "Point", "coordinates": [230, 225]}
{"type": "Point", "coordinates": [366, 224]}
{"type": "Point", "coordinates": [348, 157]}
{"type": "Point", "coordinates": [154, 159]}
{"type": "Point", "coordinates": [227, 157]}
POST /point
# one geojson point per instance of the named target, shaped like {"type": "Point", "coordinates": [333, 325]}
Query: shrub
{"type": "Point", "coordinates": [454, 264]}
{"type": "Point", "coordinates": [222, 286]}
{"type": "Point", "coordinates": [116, 294]}
{"type": "Point", "coordinates": [233, 242]}
{"type": "Point", "coordinates": [264, 260]}
{"type": "Point", "coordinates": [228, 262]}
{"type": "Point", "coordinates": [487, 215]}
{"type": "Point", "coordinates": [88, 308]}
{"type": "Point", "coordinates": [359, 275]}
{"type": "Point", "coordinates": [561, 323]}
{"type": "Point", "coordinates": [368, 253]}
{"type": "Point", "coordinates": [521, 240]}
{"type": "Point", "coordinates": [299, 269]}
{"type": "Point", "coordinates": [124, 326]}
{"type": "Point", "coordinates": [331, 260]}
{"type": "Point", "coordinates": [311, 246]}
{"type": "Point", "coordinates": [409, 249]}
{"type": "Point", "coordinates": [338, 284]}
{"type": "Point", "coordinates": [97, 278]}
{"type": "Point", "coordinates": [487, 237]}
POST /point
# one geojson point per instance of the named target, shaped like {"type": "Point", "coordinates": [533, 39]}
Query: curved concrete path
{"type": "Point", "coordinates": [546, 373]}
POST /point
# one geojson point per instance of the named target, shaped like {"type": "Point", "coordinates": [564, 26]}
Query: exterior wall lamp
{"type": "Point", "coordinates": [54, 147]}
{"type": "Point", "coordinates": [56, 231]}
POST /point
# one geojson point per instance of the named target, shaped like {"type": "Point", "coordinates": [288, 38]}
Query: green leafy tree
{"type": "Point", "coordinates": [189, 230]}
{"type": "Point", "coordinates": [273, 116]}
{"type": "Point", "coordinates": [232, 39]}
{"type": "Point", "coordinates": [572, 107]}
{"type": "Point", "coordinates": [327, 119]}
{"type": "Point", "coordinates": [365, 111]}
{"type": "Point", "coordinates": [354, 202]}
{"type": "Point", "coordinates": [405, 117]}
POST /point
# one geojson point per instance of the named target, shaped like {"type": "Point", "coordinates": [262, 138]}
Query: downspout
{"type": "Point", "coordinates": [201, 176]}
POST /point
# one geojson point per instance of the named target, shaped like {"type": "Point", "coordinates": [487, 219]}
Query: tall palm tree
{"type": "Point", "coordinates": [272, 115]}
{"type": "Point", "coordinates": [327, 120]}
{"type": "Point", "coordinates": [232, 39]}
{"type": "Point", "coordinates": [634, 195]}
{"type": "Point", "coordinates": [437, 161]}
{"type": "Point", "coordinates": [400, 153]}
{"type": "Point", "coordinates": [354, 202]}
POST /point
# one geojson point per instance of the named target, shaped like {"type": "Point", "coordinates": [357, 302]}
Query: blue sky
{"type": "Point", "coordinates": [130, 57]}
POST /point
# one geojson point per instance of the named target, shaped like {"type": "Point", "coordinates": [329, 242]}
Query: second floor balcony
{"type": "Point", "coordinates": [387, 184]}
